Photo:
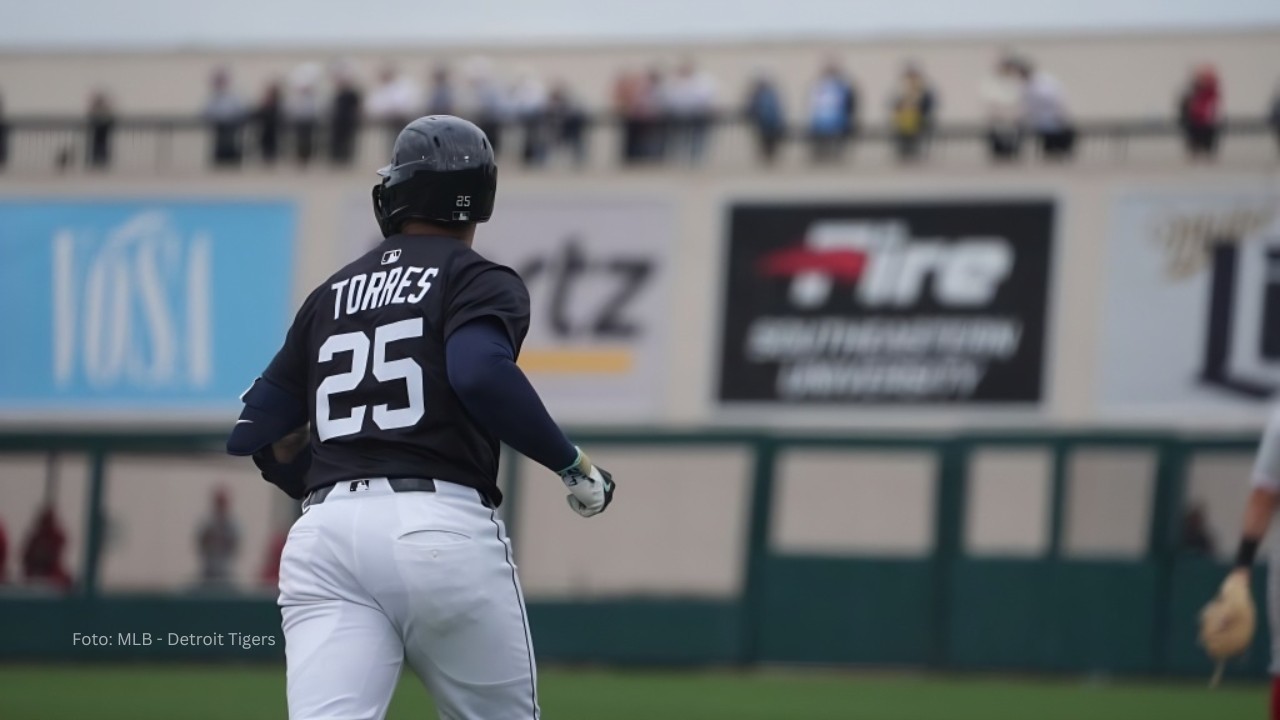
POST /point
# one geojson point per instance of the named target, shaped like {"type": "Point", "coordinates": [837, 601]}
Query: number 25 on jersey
{"type": "Point", "coordinates": [406, 369]}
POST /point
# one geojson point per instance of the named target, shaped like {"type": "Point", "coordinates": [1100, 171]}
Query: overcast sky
{"type": "Point", "coordinates": [177, 23]}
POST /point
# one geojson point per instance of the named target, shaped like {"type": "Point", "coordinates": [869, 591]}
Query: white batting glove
{"type": "Point", "coordinates": [590, 487]}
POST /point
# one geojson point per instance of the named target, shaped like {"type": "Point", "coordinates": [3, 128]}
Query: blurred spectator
{"type": "Point", "coordinates": [627, 102]}
{"type": "Point", "coordinates": [833, 106]}
{"type": "Point", "coordinates": [689, 100]}
{"type": "Point", "coordinates": [1198, 110]}
{"type": "Point", "coordinates": [64, 159]}
{"type": "Point", "coordinates": [529, 99]}
{"type": "Point", "coordinates": [226, 113]}
{"type": "Point", "coordinates": [217, 540]}
{"type": "Point", "coordinates": [1275, 118]}
{"type": "Point", "coordinates": [4, 555]}
{"type": "Point", "coordinates": [653, 116]}
{"type": "Point", "coordinates": [394, 103]}
{"type": "Point", "coordinates": [638, 98]}
{"type": "Point", "coordinates": [569, 122]}
{"type": "Point", "coordinates": [102, 121]}
{"type": "Point", "coordinates": [344, 117]}
{"type": "Point", "coordinates": [764, 112]}
{"type": "Point", "coordinates": [42, 560]}
{"type": "Point", "coordinates": [1002, 96]}
{"type": "Point", "coordinates": [443, 99]}
{"type": "Point", "coordinates": [304, 111]}
{"type": "Point", "coordinates": [1044, 111]}
{"type": "Point", "coordinates": [270, 575]}
{"type": "Point", "coordinates": [4, 136]}
{"type": "Point", "coordinates": [912, 112]}
{"type": "Point", "coordinates": [269, 118]}
{"type": "Point", "coordinates": [1195, 531]}
{"type": "Point", "coordinates": [488, 101]}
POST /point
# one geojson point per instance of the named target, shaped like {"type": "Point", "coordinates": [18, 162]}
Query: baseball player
{"type": "Point", "coordinates": [383, 413]}
{"type": "Point", "coordinates": [1228, 622]}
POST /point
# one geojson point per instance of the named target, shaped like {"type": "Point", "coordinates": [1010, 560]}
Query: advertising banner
{"type": "Point", "coordinates": [893, 303]}
{"type": "Point", "coordinates": [1192, 313]}
{"type": "Point", "coordinates": [597, 269]}
{"type": "Point", "coordinates": [134, 307]}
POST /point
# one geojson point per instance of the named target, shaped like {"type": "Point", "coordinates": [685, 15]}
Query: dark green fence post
{"type": "Point", "coordinates": [1058, 498]}
{"type": "Point", "coordinates": [97, 522]}
{"type": "Point", "coordinates": [1161, 547]}
{"type": "Point", "coordinates": [1061, 449]}
{"type": "Point", "coordinates": [953, 458]}
{"type": "Point", "coordinates": [766, 455]}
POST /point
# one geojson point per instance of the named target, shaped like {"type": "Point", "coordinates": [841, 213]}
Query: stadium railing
{"type": "Point", "coordinates": [44, 145]}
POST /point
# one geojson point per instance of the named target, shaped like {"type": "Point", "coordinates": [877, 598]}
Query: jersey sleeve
{"type": "Point", "coordinates": [288, 369]}
{"type": "Point", "coordinates": [490, 291]}
{"type": "Point", "coordinates": [1266, 466]}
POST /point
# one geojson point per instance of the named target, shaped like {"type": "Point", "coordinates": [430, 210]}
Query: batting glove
{"type": "Point", "coordinates": [590, 487]}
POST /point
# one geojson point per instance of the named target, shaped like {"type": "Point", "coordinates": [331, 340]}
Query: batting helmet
{"type": "Point", "coordinates": [442, 170]}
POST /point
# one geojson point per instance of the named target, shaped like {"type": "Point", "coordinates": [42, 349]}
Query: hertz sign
{"type": "Point", "coordinates": [597, 272]}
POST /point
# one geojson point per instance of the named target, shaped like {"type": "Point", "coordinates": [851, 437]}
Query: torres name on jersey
{"type": "Point", "coordinates": [370, 291]}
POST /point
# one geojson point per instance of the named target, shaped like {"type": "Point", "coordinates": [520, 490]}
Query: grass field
{"type": "Point", "coordinates": [184, 692]}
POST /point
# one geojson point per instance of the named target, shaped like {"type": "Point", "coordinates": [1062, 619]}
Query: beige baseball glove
{"type": "Point", "coordinates": [1228, 622]}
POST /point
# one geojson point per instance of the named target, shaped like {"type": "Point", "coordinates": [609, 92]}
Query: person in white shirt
{"type": "Point", "coordinates": [395, 102]}
{"type": "Point", "coordinates": [487, 103]}
{"type": "Point", "coordinates": [528, 105]}
{"type": "Point", "coordinates": [302, 109]}
{"type": "Point", "coordinates": [1001, 94]}
{"type": "Point", "coordinates": [690, 98]}
{"type": "Point", "coordinates": [1044, 110]}
{"type": "Point", "coordinates": [226, 114]}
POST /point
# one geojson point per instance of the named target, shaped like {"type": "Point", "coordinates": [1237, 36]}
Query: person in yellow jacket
{"type": "Point", "coordinates": [912, 113]}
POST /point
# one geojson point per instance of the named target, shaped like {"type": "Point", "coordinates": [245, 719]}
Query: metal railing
{"type": "Point", "coordinates": [37, 146]}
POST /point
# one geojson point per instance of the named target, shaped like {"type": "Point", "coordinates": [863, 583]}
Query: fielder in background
{"type": "Point", "coordinates": [383, 412]}
{"type": "Point", "coordinates": [1229, 621]}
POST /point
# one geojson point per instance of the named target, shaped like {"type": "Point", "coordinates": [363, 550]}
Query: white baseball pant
{"type": "Point", "coordinates": [371, 577]}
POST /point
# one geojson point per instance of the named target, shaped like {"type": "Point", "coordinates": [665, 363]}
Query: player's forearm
{"type": "Point", "coordinates": [483, 374]}
{"type": "Point", "coordinates": [290, 476]}
{"type": "Point", "coordinates": [1258, 513]}
{"type": "Point", "coordinates": [287, 448]}
{"type": "Point", "coordinates": [1257, 518]}
{"type": "Point", "coordinates": [1265, 495]}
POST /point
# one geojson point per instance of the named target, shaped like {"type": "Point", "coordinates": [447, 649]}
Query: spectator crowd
{"type": "Point", "coordinates": [317, 114]}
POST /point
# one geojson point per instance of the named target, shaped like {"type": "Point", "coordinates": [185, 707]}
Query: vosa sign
{"type": "Point", "coordinates": [140, 306]}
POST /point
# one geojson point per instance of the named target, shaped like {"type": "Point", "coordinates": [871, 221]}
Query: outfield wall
{"type": "Point", "coordinates": [838, 549]}
{"type": "Point", "coordinates": [673, 355]}
{"type": "Point", "coordinates": [723, 547]}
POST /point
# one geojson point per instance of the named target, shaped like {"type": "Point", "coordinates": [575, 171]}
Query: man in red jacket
{"type": "Point", "coordinates": [1198, 113]}
{"type": "Point", "coordinates": [42, 555]}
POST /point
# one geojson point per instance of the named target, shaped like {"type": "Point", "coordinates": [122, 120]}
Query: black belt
{"type": "Point", "coordinates": [317, 496]}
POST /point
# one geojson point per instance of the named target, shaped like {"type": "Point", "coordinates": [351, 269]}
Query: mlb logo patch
{"type": "Point", "coordinates": [391, 256]}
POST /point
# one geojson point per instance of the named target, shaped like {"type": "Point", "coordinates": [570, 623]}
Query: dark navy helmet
{"type": "Point", "coordinates": [442, 170]}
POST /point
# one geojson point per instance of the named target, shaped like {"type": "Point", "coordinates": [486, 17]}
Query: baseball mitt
{"type": "Point", "coordinates": [1228, 622]}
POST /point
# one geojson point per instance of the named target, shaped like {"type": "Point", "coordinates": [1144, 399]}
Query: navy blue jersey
{"type": "Point", "coordinates": [367, 349]}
